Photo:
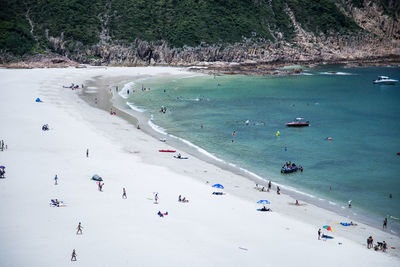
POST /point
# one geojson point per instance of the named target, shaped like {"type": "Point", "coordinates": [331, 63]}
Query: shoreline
{"type": "Point", "coordinates": [291, 193]}
{"type": "Point", "coordinates": [210, 230]}
{"type": "Point", "coordinates": [248, 67]}
{"type": "Point", "coordinates": [133, 116]}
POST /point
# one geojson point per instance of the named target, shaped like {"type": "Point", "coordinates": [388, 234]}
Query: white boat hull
{"type": "Point", "coordinates": [386, 81]}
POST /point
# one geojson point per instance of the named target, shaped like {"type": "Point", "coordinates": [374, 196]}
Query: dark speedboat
{"type": "Point", "coordinates": [298, 123]}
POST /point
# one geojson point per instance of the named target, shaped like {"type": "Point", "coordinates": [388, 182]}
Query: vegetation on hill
{"type": "Point", "coordinates": [321, 16]}
{"type": "Point", "coordinates": [15, 36]}
{"type": "Point", "coordinates": [179, 22]}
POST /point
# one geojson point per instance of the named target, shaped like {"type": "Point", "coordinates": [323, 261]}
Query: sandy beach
{"type": "Point", "coordinates": [212, 230]}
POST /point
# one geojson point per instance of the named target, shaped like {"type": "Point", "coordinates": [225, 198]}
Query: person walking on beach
{"type": "Point", "coordinates": [79, 229]}
{"type": "Point", "coordinates": [87, 152]}
{"type": "Point", "coordinates": [100, 186]}
{"type": "Point", "coordinates": [319, 234]}
{"type": "Point", "coordinates": [156, 198]}
{"type": "Point", "coordinates": [55, 180]}
{"type": "Point", "coordinates": [124, 193]}
{"type": "Point", "coordinates": [73, 257]}
{"type": "Point", "coordinates": [269, 185]}
{"type": "Point", "coordinates": [278, 190]}
{"type": "Point", "coordinates": [385, 223]}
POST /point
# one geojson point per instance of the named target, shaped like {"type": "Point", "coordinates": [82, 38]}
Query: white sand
{"type": "Point", "coordinates": [208, 231]}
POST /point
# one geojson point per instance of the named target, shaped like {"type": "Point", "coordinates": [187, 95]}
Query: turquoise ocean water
{"type": "Point", "coordinates": [363, 120]}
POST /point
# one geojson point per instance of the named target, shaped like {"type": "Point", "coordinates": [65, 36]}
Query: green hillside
{"type": "Point", "coordinates": [178, 22]}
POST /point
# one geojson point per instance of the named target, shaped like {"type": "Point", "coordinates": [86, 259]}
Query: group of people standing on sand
{"type": "Point", "coordinates": [379, 246]}
{"type": "Point", "coordinates": [262, 189]}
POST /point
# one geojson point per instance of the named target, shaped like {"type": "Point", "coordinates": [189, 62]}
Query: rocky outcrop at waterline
{"type": "Point", "coordinates": [305, 48]}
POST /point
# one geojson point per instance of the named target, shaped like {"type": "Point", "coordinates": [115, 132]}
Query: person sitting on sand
{"type": "Point", "coordinates": [160, 214]}
{"type": "Point", "coordinates": [265, 209]}
{"type": "Point", "coordinates": [179, 155]}
{"type": "Point", "coordinates": [263, 189]}
{"type": "Point", "coordinates": [179, 198]}
{"type": "Point", "coordinates": [384, 246]}
{"type": "Point", "coordinates": [184, 200]}
{"type": "Point", "coordinates": [297, 203]}
{"type": "Point", "coordinates": [55, 202]}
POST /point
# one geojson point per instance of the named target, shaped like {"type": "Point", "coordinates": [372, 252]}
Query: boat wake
{"type": "Point", "coordinates": [336, 73]}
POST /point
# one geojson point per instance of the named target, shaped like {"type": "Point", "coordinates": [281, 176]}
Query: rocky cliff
{"type": "Point", "coordinates": [379, 39]}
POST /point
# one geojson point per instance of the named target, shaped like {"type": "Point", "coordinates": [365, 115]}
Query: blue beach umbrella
{"type": "Point", "coordinates": [263, 201]}
{"type": "Point", "coordinates": [218, 186]}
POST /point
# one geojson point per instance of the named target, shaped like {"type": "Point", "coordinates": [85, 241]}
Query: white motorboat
{"type": "Point", "coordinates": [385, 80]}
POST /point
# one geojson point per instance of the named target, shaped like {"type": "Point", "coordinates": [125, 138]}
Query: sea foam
{"type": "Point", "coordinates": [135, 108]}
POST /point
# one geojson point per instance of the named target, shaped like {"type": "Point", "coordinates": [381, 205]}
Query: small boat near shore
{"type": "Point", "coordinates": [290, 168]}
{"type": "Point", "coordinates": [385, 80]}
{"type": "Point", "coordinates": [298, 123]}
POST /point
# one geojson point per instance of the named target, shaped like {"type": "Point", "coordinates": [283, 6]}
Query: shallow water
{"type": "Point", "coordinates": [363, 119]}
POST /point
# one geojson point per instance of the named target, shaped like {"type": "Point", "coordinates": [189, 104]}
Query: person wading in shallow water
{"type": "Point", "coordinates": [385, 223]}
